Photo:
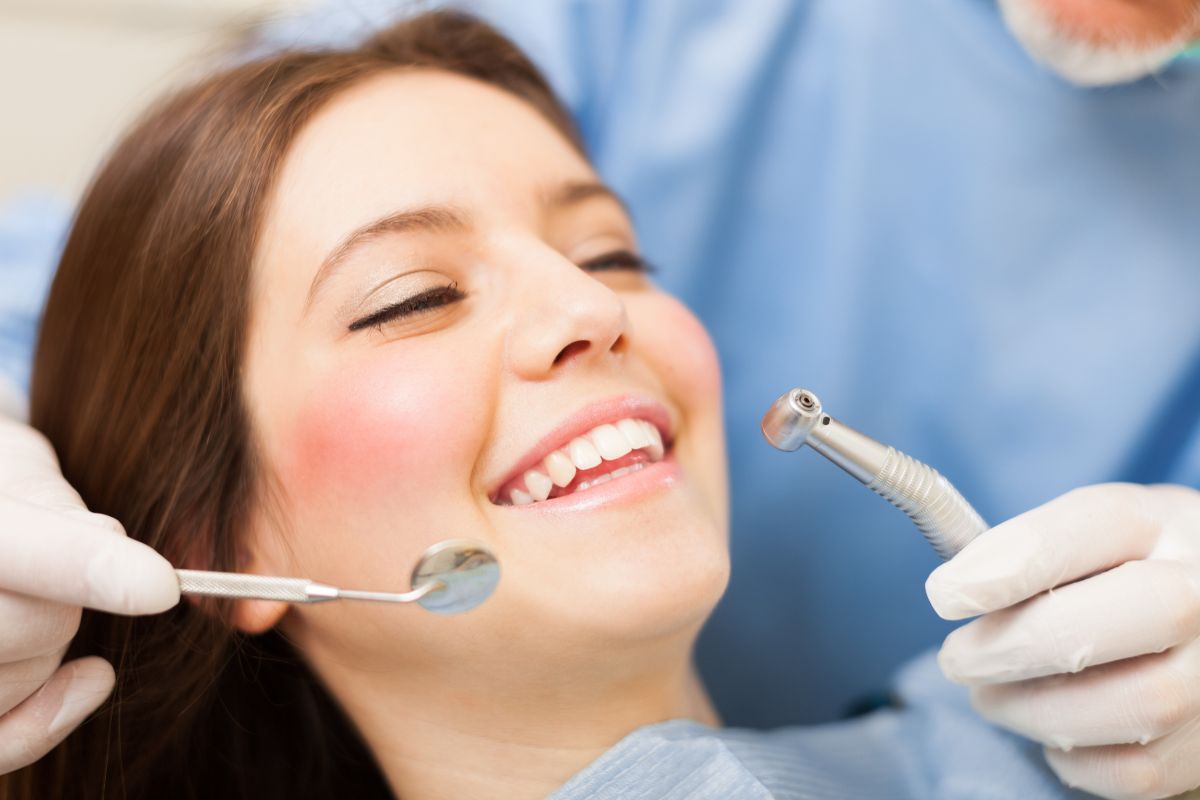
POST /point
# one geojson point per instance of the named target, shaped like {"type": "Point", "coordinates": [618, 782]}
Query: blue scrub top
{"type": "Point", "coordinates": [890, 204]}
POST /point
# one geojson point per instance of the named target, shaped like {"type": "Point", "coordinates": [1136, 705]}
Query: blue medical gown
{"type": "Point", "coordinates": [933, 747]}
{"type": "Point", "coordinates": [888, 203]}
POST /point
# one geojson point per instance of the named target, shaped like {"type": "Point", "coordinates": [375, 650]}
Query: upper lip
{"type": "Point", "coordinates": [584, 420]}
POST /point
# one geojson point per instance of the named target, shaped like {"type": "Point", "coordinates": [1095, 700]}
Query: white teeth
{"type": "Point", "coordinates": [606, 442]}
{"type": "Point", "coordinates": [583, 453]}
{"type": "Point", "coordinates": [560, 467]}
{"type": "Point", "coordinates": [611, 443]}
{"type": "Point", "coordinates": [538, 484]}
{"type": "Point", "coordinates": [655, 448]}
{"type": "Point", "coordinates": [634, 433]}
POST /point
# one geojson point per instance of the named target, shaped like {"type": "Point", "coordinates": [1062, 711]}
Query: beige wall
{"type": "Point", "coordinates": [74, 72]}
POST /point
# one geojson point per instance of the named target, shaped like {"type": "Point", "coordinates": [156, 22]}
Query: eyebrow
{"type": "Point", "coordinates": [573, 192]}
{"type": "Point", "coordinates": [441, 219]}
{"type": "Point", "coordinates": [427, 218]}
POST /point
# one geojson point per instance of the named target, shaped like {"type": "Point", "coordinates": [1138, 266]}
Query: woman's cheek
{"type": "Point", "coordinates": [380, 423]}
{"type": "Point", "coordinates": [681, 353]}
{"type": "Point", "coordinates": [679, 347]}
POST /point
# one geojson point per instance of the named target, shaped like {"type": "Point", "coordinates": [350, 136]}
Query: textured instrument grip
{"type": "Point", "coordinates": [259, 587]}
{"type": "Point", "coordinates": [942, 514]}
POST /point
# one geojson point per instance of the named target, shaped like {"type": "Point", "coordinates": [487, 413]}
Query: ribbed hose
{"type": "Point", "coordinates": [937, 509]}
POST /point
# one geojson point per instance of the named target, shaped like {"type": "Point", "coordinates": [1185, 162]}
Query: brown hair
{"type": "Point", "coordinates": [136, 384]}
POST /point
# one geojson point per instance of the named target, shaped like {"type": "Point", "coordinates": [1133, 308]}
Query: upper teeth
{"type": "Point", "coordinates": [606, 442]}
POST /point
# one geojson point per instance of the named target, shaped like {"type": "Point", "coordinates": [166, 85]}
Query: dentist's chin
{"type": "Point", "coordinates": [1097, 49]}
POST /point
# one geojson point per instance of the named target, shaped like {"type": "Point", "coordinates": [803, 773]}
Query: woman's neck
{"type": "Point", "coordinates": [435, 739]}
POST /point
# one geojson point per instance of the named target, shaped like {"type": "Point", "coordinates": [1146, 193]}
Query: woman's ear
{"type": "Point", "coordinates": [257, 616]}
{"type": "Point", "coordinates": [248, 616]}
{"type": "Point", "coordinates": [260, 553]}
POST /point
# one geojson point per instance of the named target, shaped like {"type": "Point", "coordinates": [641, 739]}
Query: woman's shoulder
{"type": "Point", "coordinates": [930, 744]}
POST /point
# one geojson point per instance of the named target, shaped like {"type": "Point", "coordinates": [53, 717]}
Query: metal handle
{"type": "Point", "coordinates": [255, 587]}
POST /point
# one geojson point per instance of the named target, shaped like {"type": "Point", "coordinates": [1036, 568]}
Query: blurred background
{"type": "Point", "coordinates": [73, 73]}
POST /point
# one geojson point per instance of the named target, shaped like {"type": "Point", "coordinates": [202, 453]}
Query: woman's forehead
{"type": "Point", "coordinates": [418, 137]}
{"type": "Point", "coordinates": [404, 142]}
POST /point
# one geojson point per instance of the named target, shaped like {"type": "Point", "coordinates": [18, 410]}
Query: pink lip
{"type": "Point", "coordinates": [582, 421]}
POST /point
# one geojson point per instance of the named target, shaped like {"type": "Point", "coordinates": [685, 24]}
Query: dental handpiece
{"type": "Point", "coordinates": [946, 519]}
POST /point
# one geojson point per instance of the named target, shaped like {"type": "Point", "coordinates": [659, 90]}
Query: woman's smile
{"type": "Point", "coordinates": [602, 443]}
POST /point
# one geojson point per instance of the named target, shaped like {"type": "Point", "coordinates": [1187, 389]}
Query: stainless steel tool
{"type": "Point", "coordinates": [934, 505]}
{"type": "Point", "coordinates": [451, 577]}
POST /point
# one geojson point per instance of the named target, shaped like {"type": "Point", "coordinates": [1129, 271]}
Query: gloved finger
{"type": "Point", "coordinates": [21, 679]}
{"type": "Point", "coordinates": [1135, 700]}
{"type": "Point", "coordinates": [1163, 768]}
{"type": "Point", "coordinates": [33, 627]}
{"type": "Point", "coordinates": [1139, 607]}
{"type": "Point", "coordinates": [30, 474]}
{"type": "Point", "coordinates": [1081, 532]}
{"type": "Point", "coordinates": [44, 553]}
{"type": "Point", "coordinates": [29, 469]}
{"type": "Point", "coordinates": [22, 444]}
{"type": "Point", "coordinates": [33, 728]}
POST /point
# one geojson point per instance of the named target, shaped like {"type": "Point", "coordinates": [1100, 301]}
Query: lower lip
{"type": "Point", "coordinates": [628, 488]}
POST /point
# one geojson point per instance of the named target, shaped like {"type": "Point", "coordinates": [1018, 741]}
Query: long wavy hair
{"type": "Point", "coordinates": [136, 383]}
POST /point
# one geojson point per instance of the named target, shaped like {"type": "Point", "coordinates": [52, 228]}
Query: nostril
{"type": "Point", "coordinates": [570, 351]}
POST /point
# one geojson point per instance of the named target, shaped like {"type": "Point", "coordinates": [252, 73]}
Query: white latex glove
{"type": "Point", "coordinates": [56, 556]}
{"type": "Point", "coordinates": [1088, 641]}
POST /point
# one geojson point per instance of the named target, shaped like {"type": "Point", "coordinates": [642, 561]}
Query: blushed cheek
{"type": "Point", "coordinates": [681, 350]}
{"type": "Point", "coordinates": [371, 426]}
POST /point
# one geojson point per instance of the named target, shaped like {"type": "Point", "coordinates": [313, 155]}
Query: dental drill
{"type": "Point", "coordinates": [946, 519]}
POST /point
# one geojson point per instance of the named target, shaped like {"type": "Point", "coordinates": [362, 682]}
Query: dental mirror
{"type": "Point", "coordinates": [451, 577]}
{"type": "Point", "coordinates": [467, 571]}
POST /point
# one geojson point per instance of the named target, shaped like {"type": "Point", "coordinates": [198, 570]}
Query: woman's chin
{"type": "Point", "coordinates": [663, 586]}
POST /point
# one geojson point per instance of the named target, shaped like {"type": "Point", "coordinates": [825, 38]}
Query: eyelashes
{"type": "Point", "coordinates": [618, 259]}
{"type": "Point", "coordinates": [424, 301]}
{"type": "Point", "coordinates": [439, 296]}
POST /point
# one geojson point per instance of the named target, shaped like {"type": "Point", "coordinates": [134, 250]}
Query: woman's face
{"type": "Point", "coordinates": [447, 319]}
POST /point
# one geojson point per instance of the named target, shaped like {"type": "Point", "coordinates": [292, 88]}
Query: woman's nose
{"type": "Point", "coordinates": [565, 316]}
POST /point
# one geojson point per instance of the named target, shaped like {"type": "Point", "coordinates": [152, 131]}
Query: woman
{"type": "Point", "coordinates": [327, 308]}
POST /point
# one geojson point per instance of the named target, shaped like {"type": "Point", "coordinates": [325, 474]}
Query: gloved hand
{"type": "Point", "coordinates": [56, 556]}
{"type": "Point", "coordinates": [1090, 636]}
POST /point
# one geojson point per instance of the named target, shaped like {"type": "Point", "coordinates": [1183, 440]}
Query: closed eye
{"type": "Point", "coordinates": [424, 301]}
{"type": "Point", "coordinates": [618, 259]}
